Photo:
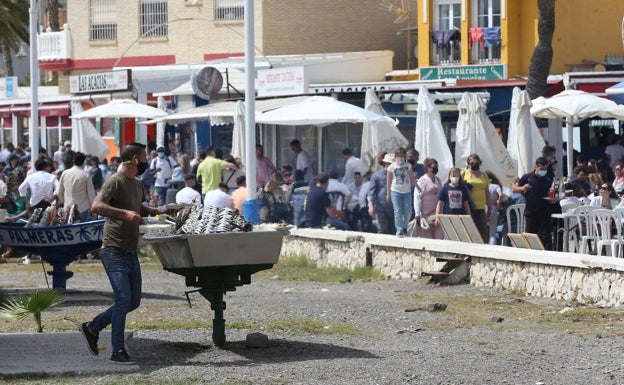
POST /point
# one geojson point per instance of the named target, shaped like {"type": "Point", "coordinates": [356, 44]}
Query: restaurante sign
{"type": "Point", "coordinates": [476, 72]}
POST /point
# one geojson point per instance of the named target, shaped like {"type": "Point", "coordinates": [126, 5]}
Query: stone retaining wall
{"type": "Point", "coordinates": [575, 277]}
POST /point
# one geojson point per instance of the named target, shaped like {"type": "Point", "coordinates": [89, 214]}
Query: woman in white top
{"type": "Point", "coordinates": [426, 200]}
{"type": "Point", "coordinates": [607, 197]}
{"type": "Point", "coordinates": [400, 178]}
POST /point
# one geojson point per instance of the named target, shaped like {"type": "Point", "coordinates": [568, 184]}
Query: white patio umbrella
{"type": "Point", "coordinates": [575, 106]}
{"type": "Point", "coordinates": [382, 135]}
{"type": "Point", "coordinates": [476, 134]}
{"type": "Point", "coordinates": [319, 111]}
{"type": "Point", "coordinates": [121, 108]}
{"type": "Point", "coordinates": [430, 139]}
{"type": "Point", "coordinates": [524, 141]}
{"type": "Point", "coordinates": [85, 137]}
{"type": "Point", "coordinates": [238, 138]}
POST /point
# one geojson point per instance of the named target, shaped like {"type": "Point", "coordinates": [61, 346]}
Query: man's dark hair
{"type": "Point", "coordinates": [79, 159]}
{"type": "Point", "coordinates": [40, 164]}
{"type": "Point", "coordinates": [541, 161]}
{"type": "Point", "coordinates": [322, 178]}
{"type": "Point", "coordinates": [347, 151]}
{"type": "Point", "coordinates": [259, 146]}
{"type": "Point", "coordinates": [295, 142]}
{"type": "Point", "coordinates": [203, 154]}
{"type": "Point", "coordinates": [548, 149]}
{"type": "Point", "coordinates": [241, 180]}
{"type": "Point", "coordinates": [131, 149]}
{"type": "Point", "coordinates": [223, 185]}
{"type": "Point", "coordinates": [357, 173]}
{"type": "Point", "coordinates": [580, 169]}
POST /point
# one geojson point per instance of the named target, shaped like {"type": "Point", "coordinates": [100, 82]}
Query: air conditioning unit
{"type": "Point", "coordinates": [193, 3]}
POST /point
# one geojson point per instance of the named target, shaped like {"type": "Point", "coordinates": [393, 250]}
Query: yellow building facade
{"type": "Point", "coordinates": [494, 39]}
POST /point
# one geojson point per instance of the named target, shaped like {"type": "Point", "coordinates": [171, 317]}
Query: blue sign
{"type": "Point", "coordinates": [11, 87]}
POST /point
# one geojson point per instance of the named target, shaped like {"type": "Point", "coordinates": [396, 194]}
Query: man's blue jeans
{"type": "Point", "coordinates": [124, 273]}
{"type": "Point", "coordinates": [402, 204]}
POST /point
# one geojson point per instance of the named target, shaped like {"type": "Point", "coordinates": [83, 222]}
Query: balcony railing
{"type": "Point", "coordinates": [54, 45]}
{"type": "Point", "coordinates": [485, 45]}
{"type": "Point", "coordinates": [446, 47]}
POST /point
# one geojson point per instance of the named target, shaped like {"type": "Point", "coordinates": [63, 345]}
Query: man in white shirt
{"type": "Point", "coordinates": [218, 197]}
{"type": "Point", "coordinates": [615, 151]}
{"type": "Point", "coordinates": [188, 194]}
{"type": "Point", "coordinates": [41, 185]}
{"type": "Point", "coordinates": [352, 166]}
{"type": "Point", "coordinates": [303, 161]}
{"type": "Point", "coordinates": [58, 157]}
{"type": "Point", "coordinates": [165, 165]}
{"type": "Point", "coordinates": [76, 188]}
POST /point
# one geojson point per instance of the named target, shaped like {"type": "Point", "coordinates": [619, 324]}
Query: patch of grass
{"type": "Point", "coordinates": [521, 314]}
{"type": "Point", "coordinates": [301, 268]}
{"type": "Point", "coordinates": [311, 326]}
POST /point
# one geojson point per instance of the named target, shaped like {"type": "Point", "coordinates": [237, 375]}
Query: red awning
{"type": "Point", "coordinates": [45, 109]}
{"type": "Point", "coordinates": [5, 112]}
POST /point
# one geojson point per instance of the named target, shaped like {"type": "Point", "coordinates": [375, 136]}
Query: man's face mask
{"type": "Point", "coordinates": [161, 154]}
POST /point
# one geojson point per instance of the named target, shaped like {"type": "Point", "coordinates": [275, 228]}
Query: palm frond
{"type": "Point", "coordinates": [30, 305]}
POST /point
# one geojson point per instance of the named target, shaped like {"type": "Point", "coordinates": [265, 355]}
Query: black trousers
{"type": "Point", "coordinates": [540, 224]}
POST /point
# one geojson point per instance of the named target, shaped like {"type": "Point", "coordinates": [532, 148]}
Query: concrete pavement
{"type": "Point", "coordinates": [58, 352]}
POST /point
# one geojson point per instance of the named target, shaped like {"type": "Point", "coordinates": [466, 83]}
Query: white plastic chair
{"type": "Point", "coordinates": [516, 210]}
{"type": "Point", "coordinates": [586, 230]}
{"type": "Point", "coordinates": [604, 221]}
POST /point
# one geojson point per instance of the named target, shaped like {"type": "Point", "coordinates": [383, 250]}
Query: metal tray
{"type": "Point", "coordinates": [225, 249]}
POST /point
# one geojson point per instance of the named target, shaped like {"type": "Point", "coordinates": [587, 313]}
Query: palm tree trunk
{"type": "Point", "coordinates": [53, 19]}
{"type": "Point", "coordinates": [541, 60]}
{"type": "Point", "coordinates": [5, 52]}
{"type": "Point", "coordinates": [53, 15]}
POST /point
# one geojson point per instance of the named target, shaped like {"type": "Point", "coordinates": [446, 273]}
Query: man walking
{"type": "Point", "coordinates": [120, 202]}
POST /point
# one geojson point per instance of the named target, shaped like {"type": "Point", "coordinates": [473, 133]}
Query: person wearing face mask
{"type": "Point", "coordinates": [426, 200]}
{"type": "Point", "coordinates": [120, 201]}
{"type": "Point", "coordinates": [534, 186]}
{"type": "Point", "coordinates": [453, 198]}
{"type": "Point", "coordinates": [163, 165]}
{"type": "Point", "coordinates": [401, 180]}
{"type": "Point", "coordinates": [479, 183]}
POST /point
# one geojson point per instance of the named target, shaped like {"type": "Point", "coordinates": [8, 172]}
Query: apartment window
{"type": "Point", "coordinates": [153, 18]}
{"type": "Point", "coordinates": [102, 20]}
{"type": "Point", "coordinates": [446, 47]}
{"type": "Point", "coordinates": [229, 9]}
{"type": "Point", "coordinates": [484, 35]}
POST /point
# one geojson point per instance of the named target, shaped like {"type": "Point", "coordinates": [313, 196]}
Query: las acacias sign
{"type": "Point", "coordinates": [282, 81]}
{"type": "Point", "coordinates": [476, 72]}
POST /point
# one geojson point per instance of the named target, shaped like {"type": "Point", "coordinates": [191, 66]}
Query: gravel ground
{"type": "Point", "coordinates": [397, 340]}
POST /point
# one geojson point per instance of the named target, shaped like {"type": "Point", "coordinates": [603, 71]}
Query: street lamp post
{"type": "Point", "coordinates": [250, 206]}
{"type": "Point", "coordinates": [33, 125]}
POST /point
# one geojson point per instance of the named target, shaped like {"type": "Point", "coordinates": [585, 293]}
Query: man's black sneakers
{"type": "Point", "coordinates": [122, 357]}
{"type": "Point", "coordinates": [91, 338]}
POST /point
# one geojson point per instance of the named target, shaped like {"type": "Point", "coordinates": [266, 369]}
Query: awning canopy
{"type": "Point", "coordinates": [45, 109]}
{"type": "Point", "coordinates": [616, 93]}
{"type": "Point", "coordinates": [223, 112]}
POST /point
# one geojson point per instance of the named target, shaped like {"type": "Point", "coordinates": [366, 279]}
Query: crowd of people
{"type": "Point", "coordinates": [405, 197]}
{"type": "Point", "coordinates": [400, 196]}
